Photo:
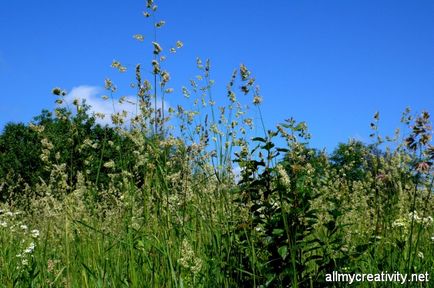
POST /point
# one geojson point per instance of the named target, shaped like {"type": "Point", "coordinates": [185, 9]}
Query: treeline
{"type": "Point", "coordinates": [81, 144]}
{"type": "Point", "coordinates": [74, 140]}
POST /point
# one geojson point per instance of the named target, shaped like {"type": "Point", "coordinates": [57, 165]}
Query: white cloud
{"type": "Point", "coordinates": [236, 170]}
{"type": "Point", "coordinates": [92, 95]}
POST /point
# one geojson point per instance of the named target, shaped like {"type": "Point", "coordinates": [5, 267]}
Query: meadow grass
{"type": "Point", "coordinates": [154, 199]}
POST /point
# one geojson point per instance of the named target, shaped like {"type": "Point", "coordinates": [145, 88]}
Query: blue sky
{"type": "Point", "coordinates": [330, 63]}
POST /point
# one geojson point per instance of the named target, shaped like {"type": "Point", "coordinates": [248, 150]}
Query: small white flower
{"type": "Point", "coordinates": [35, 233]}
{"type": "Point", "coordinates": [398, 223]}
{"type": "Point", "coordinates": [30, 249]}
{"type": "Point", "coordinates": [24, 227]}
{"type": "Point", "coordinates": [414, 216]}
{"type": "Point", "coordinates": [427, 221]}
{"type": "Point", "coordinates": [3, 224]}
{"type": "Point", "coordinates": [109, 164]}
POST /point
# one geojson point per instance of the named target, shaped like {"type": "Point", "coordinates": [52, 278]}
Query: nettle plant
{"type": "Point", "coordinates": [285, 242]}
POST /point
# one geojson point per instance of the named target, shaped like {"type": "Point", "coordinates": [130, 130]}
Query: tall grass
{"type": "Point", "coordinates": [152, 206]}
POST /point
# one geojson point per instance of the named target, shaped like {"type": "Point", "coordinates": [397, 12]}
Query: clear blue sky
{"type": "Point", "coordinates": [331, 63]}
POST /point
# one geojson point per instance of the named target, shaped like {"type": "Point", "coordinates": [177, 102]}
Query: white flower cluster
{"type": "Point", "coordinates": [8, 219]}
{"type": "Point", "coordinates": [283, 176]}
{"type": "Point", "coordinates": [425, 221]}
{"type": "Point", "coordinates": [189, 260]}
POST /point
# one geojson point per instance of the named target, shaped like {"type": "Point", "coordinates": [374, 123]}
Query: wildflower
{"type": "Point", "coordinates": [398, 223]}
{"type": "Point", "coordinates": [413, 216]}
{"type": "Point", "coordinates": [3, 224]}
{"type": "Point", "coordinates": [36, 128]}
{"type": "Point", "coordinates": [283, 176]}
{"type": "Point", "coordinates": [24, 227]}
{"type": "Point", "coordinates": [189, 259]}
{"type": "Point", "coordinates": [423, 167]}
{"type": "Point", "coordinates": [34, 233]}
{"type": "Point", "coordinates": [51, 265]}
{"type": "Point", "coordinates": [30, 249]}
{"type": "Point", "coordinates": [427, 221]}
{"type": "Point", "coordinates": [109, 164]}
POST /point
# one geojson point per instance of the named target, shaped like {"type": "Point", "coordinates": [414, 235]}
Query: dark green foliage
{"type": "Point", "coordinates": [20, 151]}
{"type": "Point", "coordinates": [19, 159]}
{"type": "Point", "coordinates": [355, 158]}
{"type": "Point", "coordinates": [279, 246]}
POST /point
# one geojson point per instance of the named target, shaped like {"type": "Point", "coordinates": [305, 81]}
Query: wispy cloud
{"type": "Point", "coordinates": [236, 170]}
{"type": "Point", "coordinates": [92, 95]}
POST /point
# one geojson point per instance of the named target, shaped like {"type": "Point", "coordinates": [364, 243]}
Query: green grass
{"type": "Point", "coordinates": [141, 204]}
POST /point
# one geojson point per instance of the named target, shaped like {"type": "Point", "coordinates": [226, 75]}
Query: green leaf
{"type": "Point", "coordinates": [260, 139]}
{"type": "Point", "coordinates": [283, 251]}
{"type": "Point", "coordinates": [278, 232]}
{"type": "Point", "coordinates": [268, 146]}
